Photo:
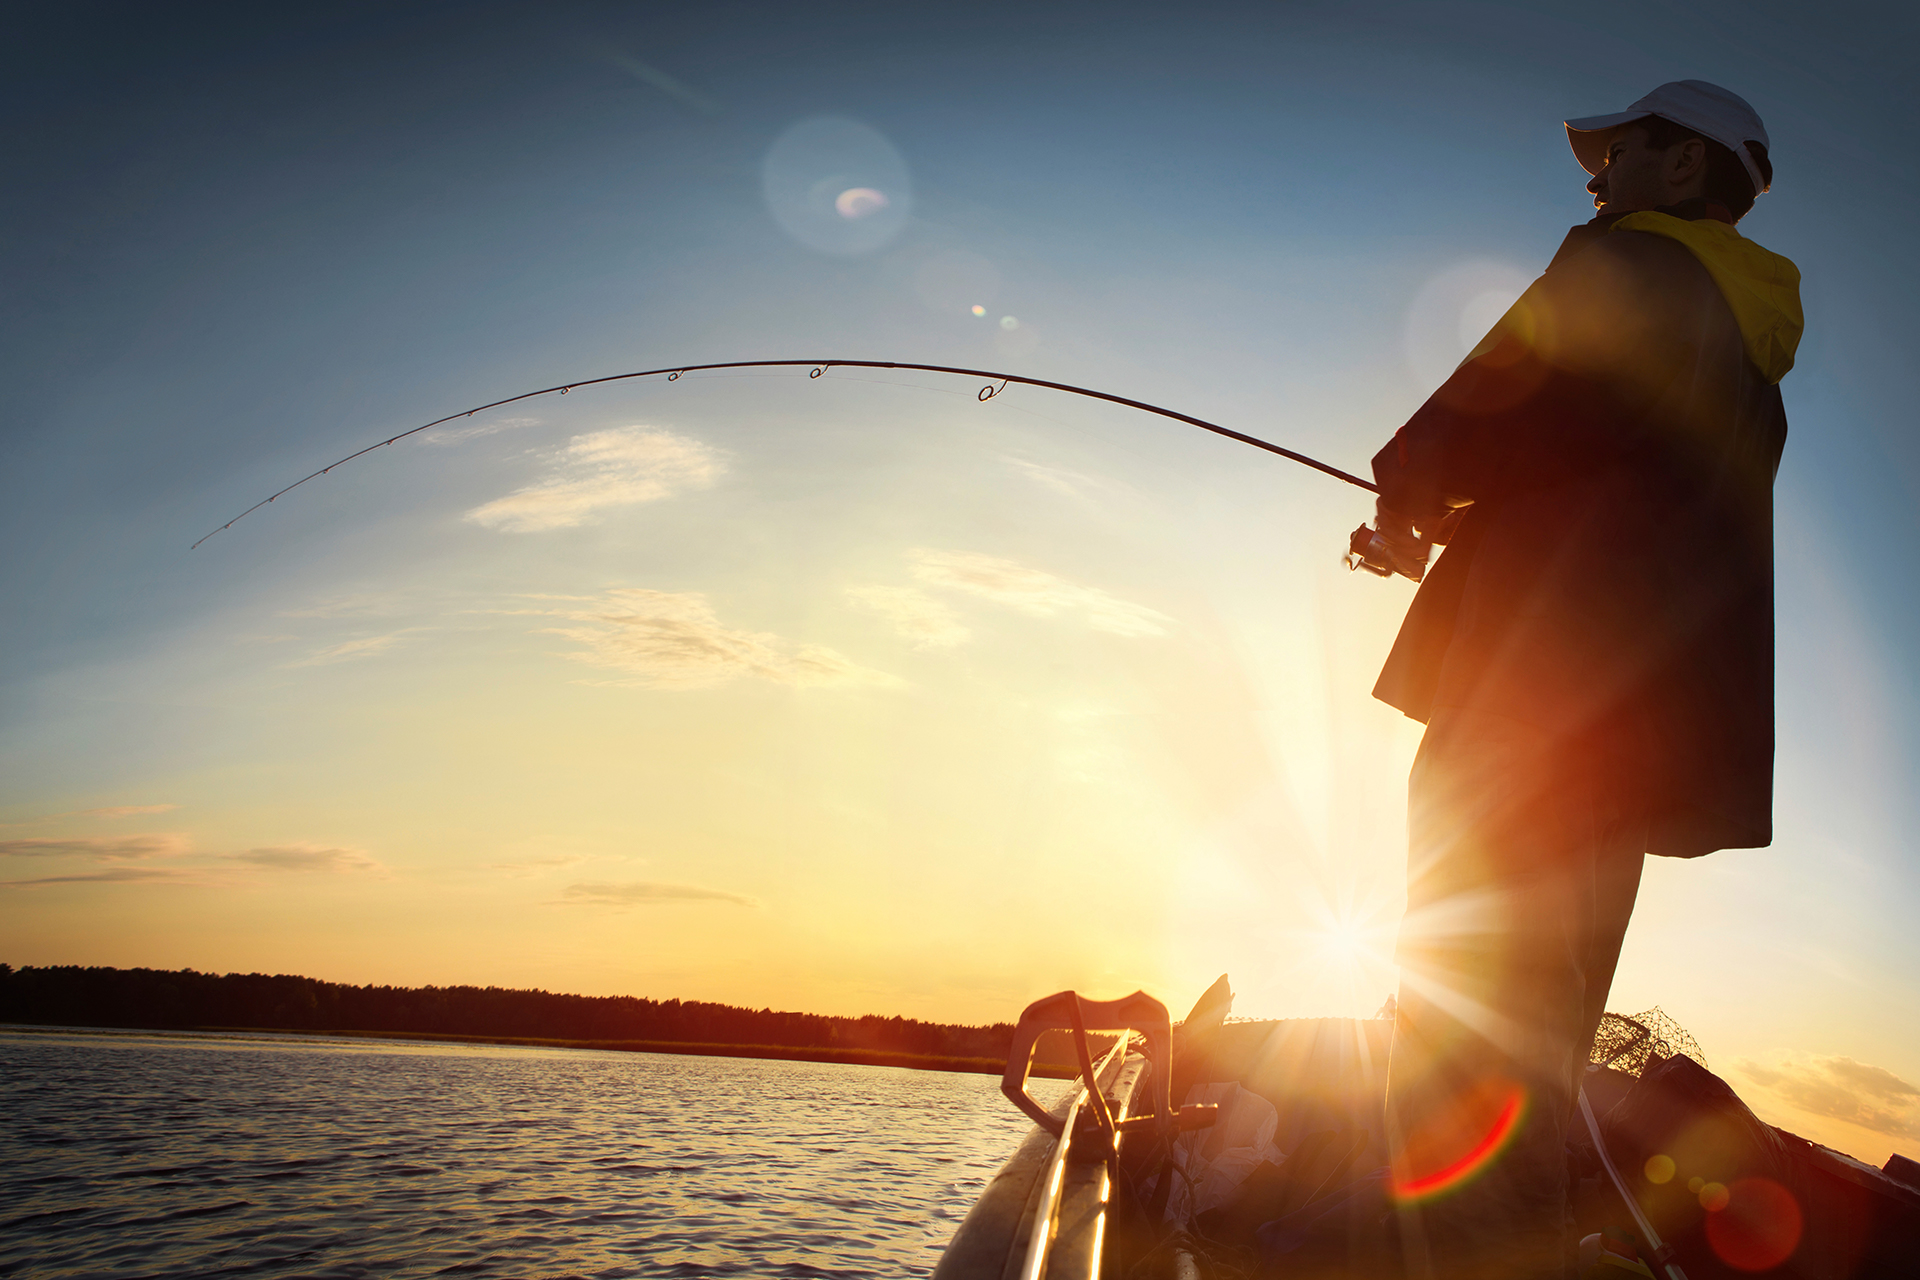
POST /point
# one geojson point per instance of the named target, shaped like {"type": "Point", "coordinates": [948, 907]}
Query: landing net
{"type": "Point", "coordinates": [1633, 1044]}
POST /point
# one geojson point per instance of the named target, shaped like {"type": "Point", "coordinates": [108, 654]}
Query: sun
{"type": "Point", "coordinates": [1344, 943]}
{"type": "Point", "coordinates": [1343, 955]}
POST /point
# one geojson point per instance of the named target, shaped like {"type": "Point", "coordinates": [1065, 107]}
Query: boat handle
{"type": "Point", "coordinates": [1069, 1011]}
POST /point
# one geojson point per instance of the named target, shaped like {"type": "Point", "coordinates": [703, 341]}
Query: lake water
{"type": "Point", "coordinates": [157, 1154]}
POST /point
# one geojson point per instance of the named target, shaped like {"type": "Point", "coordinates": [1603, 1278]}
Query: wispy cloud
{"type": "Point", "coordinates": [682, 93]}
{"type": "Point", "coordinates": [667, 640]}
{"type": "Point", "coordinates": [638, 893]}
{"type": "Point", "coordinates": [473, 431]}
{"type": "Point", "coordinates": [108, 811]}
{"type": "Point", "coordinates": [619, 467]}
{"type": "Point", "coordinates": [293, 857]}
{"type": "Point", "coordinates": [927, 622]}
{"type": "Point", "coordinates": [1034, 591]}
{"type": "Point", "coordinates": [307, 857]}
{"type": "Point", "coordinates": [118, 875]}
{"type": "Point", "coordinates": [1068, 484]}
{"type": "Point", "coordinates": [540, 866]}
{"type": "Point", "coordinates": [348, 650]}
{"type": "Point", "coordinates": [348, 606]}
{"type": "Point", "coordinates": [99, 848]}
{"type": "Point", "coordinates": [1841, 1089]}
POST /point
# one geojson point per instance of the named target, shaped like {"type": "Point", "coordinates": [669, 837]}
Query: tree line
{"type": "Point", "coordinates": [69, 995]}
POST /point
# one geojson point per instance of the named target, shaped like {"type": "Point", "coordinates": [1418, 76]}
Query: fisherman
{"type": "Point", "coordinates": [1592, 655]}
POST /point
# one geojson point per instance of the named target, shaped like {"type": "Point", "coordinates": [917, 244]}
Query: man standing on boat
{"type": "Point", "coordinates": [1592, 655]}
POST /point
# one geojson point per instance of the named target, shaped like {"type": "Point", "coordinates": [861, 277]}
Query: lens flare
{"type": "Point", "coordinates": [1659, 1169]}
{"type": "Point", "coordinates": [837, 186]}
{"type": "Point", "coordinates": [1450, 1153]}
{"type": "Point", "coordinates": [1758, 1226]}
{"type": "Point", "coordinates": [858, 202]}
{"type": "Point", "coordinates": [957, 280]}
{"type": "Point", "coordinates": [1453, 311]}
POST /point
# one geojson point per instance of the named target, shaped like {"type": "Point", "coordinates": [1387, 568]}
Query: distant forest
{"type": "Point", "coordinates": [68, 995]}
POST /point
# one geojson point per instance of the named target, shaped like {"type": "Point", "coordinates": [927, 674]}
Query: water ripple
{"type": "Point", "coordinates": [236, 1155]}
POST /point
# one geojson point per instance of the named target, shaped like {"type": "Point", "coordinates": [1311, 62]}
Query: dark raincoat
{"type": "Point", "coordinates": [1601, 469]}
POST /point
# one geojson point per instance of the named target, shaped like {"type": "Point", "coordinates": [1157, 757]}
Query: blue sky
{"type": "Point", "coordinates": [1088, 655]}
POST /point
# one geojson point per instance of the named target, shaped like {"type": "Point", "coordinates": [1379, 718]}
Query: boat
{"type": "Point", "coordinates": [1218, 1148]}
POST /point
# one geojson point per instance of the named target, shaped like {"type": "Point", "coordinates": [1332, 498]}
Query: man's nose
{"type": "Point", "coordinates": [1598, 182]}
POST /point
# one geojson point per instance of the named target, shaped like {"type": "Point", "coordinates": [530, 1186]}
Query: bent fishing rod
{"type": "Point", "coordinates": [816, 369]}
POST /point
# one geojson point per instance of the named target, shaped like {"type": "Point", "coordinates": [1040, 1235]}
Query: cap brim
{"type": "Point", "coordinates": [1588, 136]}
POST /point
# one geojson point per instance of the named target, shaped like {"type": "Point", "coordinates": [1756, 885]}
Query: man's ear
{"type": "Point", "coordinates": [1686, 161]}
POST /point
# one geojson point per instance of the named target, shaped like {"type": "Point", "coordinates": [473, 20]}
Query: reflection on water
{"type": "Point", "coordinates": [129, 1154]}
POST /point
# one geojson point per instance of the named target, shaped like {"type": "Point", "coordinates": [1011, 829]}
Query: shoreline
{"type": "Point", "coordinates": [704, 1049]}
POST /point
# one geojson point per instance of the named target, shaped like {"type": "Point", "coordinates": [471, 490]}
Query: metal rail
{"type": "Point", "coordinates": [816, 369]}
{"type": "Point", "coordinates": [1041, 1237]}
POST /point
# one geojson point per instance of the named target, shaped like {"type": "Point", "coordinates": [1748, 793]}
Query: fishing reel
{"type": "Point", "coordinates": [1366, 549]}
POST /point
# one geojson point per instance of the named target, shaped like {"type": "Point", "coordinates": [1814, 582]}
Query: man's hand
{"type": "Point", "coordinates": [1391, 546]}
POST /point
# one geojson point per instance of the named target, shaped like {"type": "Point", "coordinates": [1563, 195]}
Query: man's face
{"type": "Point", "coordinates": [1635, 176]}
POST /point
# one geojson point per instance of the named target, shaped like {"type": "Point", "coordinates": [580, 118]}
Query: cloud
{"type": "Point", "coordinates": [1068, 484]}
{"type": "Point", "coordinates": [118, 875]}
{"type": "Point", "coordinates": [301, 857]}
{"type": "Point", "coordinates": [636, 893]}
{"type": "Point", "coordinates": [665, 640]}
{"type": "Point", "coordinates": [927, 622]}
{"type": "Point", "coordinates": [1841, 1089]}
{"type": "Point", "coordinates": [348, 650]}
{"type": "Point", "coordinates": [307, 857]}
{"type": "Point", "coordinates": [679, 92]}
{"type": "Point", "coordinates": [346, 606]}
{"type": "Point", "coordinates": [102, 849]}
{"type": "Point", "coordinates": [460, 435]}
{"type": "Point", "coordinates": [619, 467]}
{"type": "Point", "coordinates": [110, 811]}
{"type": "Point", "coordinates": [1036, 592]}
{"type": "Point", "coordinates": [537, 866]}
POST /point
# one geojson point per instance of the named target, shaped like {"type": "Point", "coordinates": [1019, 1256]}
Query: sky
{"type": "Point", "coordinates": [859, 693]}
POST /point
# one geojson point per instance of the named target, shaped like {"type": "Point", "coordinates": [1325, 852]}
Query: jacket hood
{"type": "Point", "coordinates": [1761, 287]}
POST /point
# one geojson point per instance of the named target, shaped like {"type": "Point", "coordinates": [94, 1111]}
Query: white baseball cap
{"type": "Point", "coordinates": [1707, 109]}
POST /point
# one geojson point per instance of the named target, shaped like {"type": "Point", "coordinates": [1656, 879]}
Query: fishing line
{"type": "Point", "coordinates": [816, 369]}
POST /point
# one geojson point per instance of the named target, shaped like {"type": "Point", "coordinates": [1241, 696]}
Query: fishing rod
{"type": "Point", "coordinates": [816, 369]}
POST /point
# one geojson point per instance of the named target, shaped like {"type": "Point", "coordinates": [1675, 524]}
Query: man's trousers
{"type": "Point", "coordinates": [1521, 877]}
